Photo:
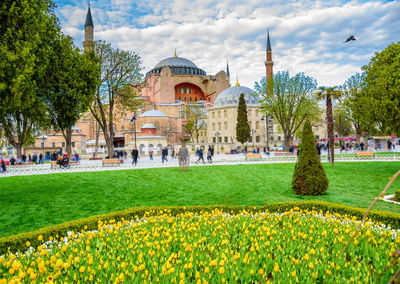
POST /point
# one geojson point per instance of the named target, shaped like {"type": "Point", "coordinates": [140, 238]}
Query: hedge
{"type": "Point", "coordinates": [18, 242]}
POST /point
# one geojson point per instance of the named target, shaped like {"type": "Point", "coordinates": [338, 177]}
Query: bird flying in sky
{"type": "Point", "coordinates": [350, 38]}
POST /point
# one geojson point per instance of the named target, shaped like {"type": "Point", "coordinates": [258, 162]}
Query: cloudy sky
{"type": "Point", "coordinates": [306, 36]}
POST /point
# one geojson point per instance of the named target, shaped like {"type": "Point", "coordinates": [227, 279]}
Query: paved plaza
{"type": "Point", "coordinates": [218, 159]}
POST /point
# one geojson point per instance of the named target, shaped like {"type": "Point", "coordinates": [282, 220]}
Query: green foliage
{"type": "Point", "coordinates": [291, 103]}
{"type": "Point", "coordinates": [382, 76]}
{"type": "Point", "coordinates": [397, 195]}
{"type": "Point", "coordinates": [26, 28]}
{"type": "Point", "coordinates": [354, 103]}
{"type": "Point", "coordinates": [242, 124]}
{"type": "Point", "coordinates": [18, 242]}
{"type": "Point", "coordinates": [309, 177]}
{"type": "Point", "coordinates": [195, 115]}
{"type": "Point", "coordinates": [342, 124]}
{"type": "Point", "coordinates": [68, 85]}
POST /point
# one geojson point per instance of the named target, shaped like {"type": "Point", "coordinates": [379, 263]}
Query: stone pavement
{"type": "Point", "coordinates": [145, 162]}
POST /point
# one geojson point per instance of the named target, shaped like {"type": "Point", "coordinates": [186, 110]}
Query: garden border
{"type": "Point", "coordinates": [18, 242]}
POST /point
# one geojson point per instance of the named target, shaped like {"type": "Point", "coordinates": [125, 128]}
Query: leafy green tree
{"type": "Point", "coordinates": [355, 104]}
{"type": "Point", "coordinates": [382, 77]}
{"type": "Point", "coordinates": [309, 177]}
{"type": "Point", "coordinates": [291, 102]}
{"type": "Point", "coordinates": [117, 89]}
{"type": "Point", "coordinates": [328, 94]}
{"type": "Point", "coordinates": [68, 85]}
{"type": "Point", "coordinates": [341, 122]}
{"type": "Point", "coordinates": [26, 27]}
{"type": "Point", "coordinates": [242, 124]}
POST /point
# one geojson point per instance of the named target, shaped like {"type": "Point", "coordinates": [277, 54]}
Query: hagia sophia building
{"type": "Point", "coordinates": [167, 89]}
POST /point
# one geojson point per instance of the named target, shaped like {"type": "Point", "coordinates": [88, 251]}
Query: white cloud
{"type": "Point", "coordinates": [307, 36]}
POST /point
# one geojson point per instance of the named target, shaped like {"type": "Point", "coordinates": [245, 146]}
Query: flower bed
{"type": "Point", "coordinates": [212, 247]}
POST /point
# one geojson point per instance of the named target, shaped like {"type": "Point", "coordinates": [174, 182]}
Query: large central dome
{"type": "Point", "coordinates": [178, 65]}
{"type": "Point", "coordinates": [175, 61]}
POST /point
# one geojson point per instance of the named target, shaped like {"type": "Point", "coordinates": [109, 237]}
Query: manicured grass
{"type": "Point", "coordinates": [31, 202]}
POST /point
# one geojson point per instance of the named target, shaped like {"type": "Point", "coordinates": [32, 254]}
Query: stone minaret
{"type": "Point", "coordinates": [269, 66]}
{"type": "Point", "coordinates": [228, 75]}
{"type": "Point", "coordinates": [88, 43]}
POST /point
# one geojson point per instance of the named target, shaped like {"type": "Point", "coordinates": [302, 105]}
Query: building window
{"type": "Point", "coordinates": [184, 90]}
{"type": "Point", "coordinates": [42, 144]}
{"type": "Point", "coordinates": [184, 99]}
{"type": "Point", "coordinates": [73, 144]}
{"type": "Point", "coordinates": [226, 139]}
{"type": "Point", "coordinates": [214, 140]}
{"type": "Point", "coordinates": [219, 114]}
{"type": "Point", "coordinates": [226, 125]}
{"type": "Point", "coordinates": [225, 113]}
{"type": "Point", "coordinates": [279, 138]}
{"type": "Point", "coordinates": [195, 99]}
{"type": "Point", "coordinates": [190, 90]}
{"type": "Point", "coordinates": [180, 98]}
{"type": "Point", "coordinates": [190, 98]}
{"type": "Point", "coordinates": [63, 144]}
{"type": "Point", "coordinates": [250, 139]}
{"type": "Point", "coordinates": [213, 114]}
{"type": "Point", "coordinates": [213, 126]}
{"type": "Point", "coordinates": [257, 139]}
{"type": "Point", "coordinates": [53, 144]}
{"type": "Point", "coordinates": [219, 139]}
{"type": "Point", "coordinates": [219, 125]}
{"type": "Point", "coordinates": [257, 124]}
{"type": "Point", "coordinates": [195, 91]}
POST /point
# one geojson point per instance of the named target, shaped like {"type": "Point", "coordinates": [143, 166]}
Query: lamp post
{"type": "Point", "coordinates": [267, 118]}
{"type": "Point", "coordinates": [253, 131]}
{"type": "Point", "coordinates": [133, 120]}
{"type": "Point", "coordinates": [217, 135]}
{"type": "Point", "coordinates": [43, 139]}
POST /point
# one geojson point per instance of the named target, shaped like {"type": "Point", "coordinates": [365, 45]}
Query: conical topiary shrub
{"type": "Point", "coordinates": [309, 177]}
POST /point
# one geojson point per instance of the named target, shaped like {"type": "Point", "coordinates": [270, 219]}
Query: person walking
{"type": "Point", "coordinates": [209, 154]}
{"type": "Point", "coordinates": [201, 155]}
{"type": "Point", "coordinates": [41, 158]}
{"type": "Point", "coordinates": [3, 166]}
{"type": "Point", "coordinates": [151, 154]}
{"type": "Point", "coordinates": [173, 154]}
{"type": "Point", "coordinates": [164, 154]}
{"type": "Point", "coordinates": [318, 146]}
{"type": "Point", "coordinates": [362, 146]}
{"type": "Point", "coordinates": [135, 155]}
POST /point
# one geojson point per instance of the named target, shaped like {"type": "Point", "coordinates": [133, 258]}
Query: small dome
{"type": "Point", "coordinates": [230, 97]}
{"type": "Point", "coordinates": [175, 61]}
{"type": "Point", "coordinates": [153, 113]}
{"type": "Point", "coordinates": [148, 125]}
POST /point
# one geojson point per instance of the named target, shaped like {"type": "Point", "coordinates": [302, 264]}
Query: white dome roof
{"type": "Point", "coordinates": [152, 113]}
{"type": "Point", "coordinates": [175, 61]}
{"type": "Point", "coordinates": [230, 97]}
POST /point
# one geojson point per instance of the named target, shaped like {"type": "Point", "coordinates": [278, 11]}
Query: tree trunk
{"type": "Point", "coordinates": [97, 139]}
{"type": "Point", "coordinates": [68, 142]}
{"type": "Point", "coordinates": [287, 143]}
{"type": "Point", "coordinates": [18, 147]}
{"type": "Point", "coordinates": [330, 128]}
{"type": "Point", "coordinates": [110, 145]}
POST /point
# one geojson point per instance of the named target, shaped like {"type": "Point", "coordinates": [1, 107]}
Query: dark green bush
{"type": "Point", "coordinates": [309, 177]}
{"type": "Point", "coordinates": [397, 195]}
{"type": "Point", "coordinates": [18, 242]}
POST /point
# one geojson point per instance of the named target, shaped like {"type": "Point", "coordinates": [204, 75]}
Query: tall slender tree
{"type": "Point", "coordinates": [118, 87]}
{"type": "Point", "coordinates": [242, 124]}
{"type": "Point", "coordinates": [328, 94]}
{"type": "Point", "coordinates": [26, 27]}
{"type": "Point", "coordinates": [195, 116]}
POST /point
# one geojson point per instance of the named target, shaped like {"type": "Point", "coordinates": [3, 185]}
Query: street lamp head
{"type": "Point", "coordinates": [133, 120]}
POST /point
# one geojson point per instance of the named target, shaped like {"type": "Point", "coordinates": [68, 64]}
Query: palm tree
{"type": "Point", "coordinates": [327, 94]}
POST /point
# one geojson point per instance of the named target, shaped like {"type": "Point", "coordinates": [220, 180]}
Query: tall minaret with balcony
{"type": "Point", "coordinates": [269, 66]}
{"type": "Point", "coordinates": [88, 43]}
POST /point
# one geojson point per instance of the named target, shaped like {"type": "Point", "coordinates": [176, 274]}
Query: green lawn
{"type": "Point", "coordinates": [31, 202]}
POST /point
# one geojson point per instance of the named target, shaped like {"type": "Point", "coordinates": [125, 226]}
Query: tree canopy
{"type": "Point", "coordinates": [382, 78]}
{"type": "Point", "coordinates": [291, 102]}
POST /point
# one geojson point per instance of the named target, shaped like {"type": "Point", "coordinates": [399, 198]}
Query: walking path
{"type": "Point", "coordinates": [145, 162]}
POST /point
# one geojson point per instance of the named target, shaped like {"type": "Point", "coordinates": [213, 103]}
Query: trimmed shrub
{"type": "Point", "coordinates": [309, 177]}
{"type": "Point", "coordinates": [397, 195]}
{"type": "Point", "coordinates": [18, 242]}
